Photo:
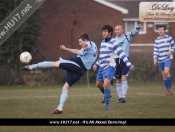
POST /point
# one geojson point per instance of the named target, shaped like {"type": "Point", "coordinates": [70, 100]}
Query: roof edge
{"type": "Point", "coordinates": [118, 8]}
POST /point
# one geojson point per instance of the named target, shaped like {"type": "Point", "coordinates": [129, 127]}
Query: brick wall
{"type": "Point", "coordinates": [62, 21]}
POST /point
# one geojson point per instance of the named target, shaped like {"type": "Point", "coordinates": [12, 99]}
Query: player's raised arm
{"type": "Point", "coordinates": [74, 51]}
{"type": "Point", "coordinates": [134, 32]}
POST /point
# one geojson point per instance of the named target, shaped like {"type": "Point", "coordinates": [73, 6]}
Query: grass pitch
{"type": "Point", "coordinates": [144, 100]}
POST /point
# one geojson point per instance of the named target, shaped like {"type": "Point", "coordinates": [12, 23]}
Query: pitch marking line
{"type": "Point", "coordinates": [44, 96]}
{"type": "Point", "coordinates": [27, 97]}
{"type": "Point", "coordinates": [151, 94]}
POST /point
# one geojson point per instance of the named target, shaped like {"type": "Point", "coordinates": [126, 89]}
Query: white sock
{"type": "Point", "coordinates": [119, 89]}
{"type": "Point", "coordinates": [124, 88]}
{"type": "Point", "coordinates": [63, 98]}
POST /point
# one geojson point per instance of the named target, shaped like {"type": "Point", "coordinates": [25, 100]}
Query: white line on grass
{"type": "Point", "coordinates": [151, 94]}
{"type": "Point", "coordinates": [26, 97]}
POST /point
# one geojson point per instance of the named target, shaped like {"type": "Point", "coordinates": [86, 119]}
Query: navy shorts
{"type": "Point", "coordinates": [162, 65]}
{"type": "Point", "coordinates": [75, 69]}
{"type": "Point", "coordinates": [121, 69]}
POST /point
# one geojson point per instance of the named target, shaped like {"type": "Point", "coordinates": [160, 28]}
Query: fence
{"type": "Point", "coordinates": [145, 71]}
{"type": "Point", "coordinates": [141, 57]}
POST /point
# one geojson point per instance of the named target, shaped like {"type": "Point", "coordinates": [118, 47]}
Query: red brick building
{"type": "Point", "coordinates": [62, 21]}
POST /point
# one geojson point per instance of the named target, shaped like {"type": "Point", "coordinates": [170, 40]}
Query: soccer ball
{"type": "Point", "coordinates": [25, 57]}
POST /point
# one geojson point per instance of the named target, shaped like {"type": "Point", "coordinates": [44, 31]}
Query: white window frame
{"type": "Point", "coordinates": [161, 23]}
{"type": "Point", "coordinates": [135, 24]}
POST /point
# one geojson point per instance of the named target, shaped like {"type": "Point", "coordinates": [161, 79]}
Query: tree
{"type": "Point", "coordinates": [25, 38]}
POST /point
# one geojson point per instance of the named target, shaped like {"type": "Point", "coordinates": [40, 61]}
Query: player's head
{"type": "Point", "coordinates": [107, 31]}
{"type": "Point", "coordinates": [118, 30]}
{"type": "Point", "coordinates": [82, 39]}
{"type": "Point", "coordinates": [161, 30]}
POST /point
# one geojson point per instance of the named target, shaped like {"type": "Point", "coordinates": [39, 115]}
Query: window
{"type": "Point", "coordinates": [130, 25]}
{"type": "Point", "coordinates": [156, 25]}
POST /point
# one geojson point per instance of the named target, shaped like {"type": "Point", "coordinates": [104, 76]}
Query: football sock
{"type": "Point", "coordinates": [45, 64]}
{"type": "Point", "coordinates": [102, 90]}
{"type": "Point", "coordinates": [124, 88]}
{"type": "Point", "coordinates": [107, 93]}
{"type": "Point", "coordinates": [63, 98]}
{"type": "Point", "coordinates": [119, 89]}
{"type": "Point", "coordinates": [169, 82]}
{"type": "Point", "coordinates": [166, 84]}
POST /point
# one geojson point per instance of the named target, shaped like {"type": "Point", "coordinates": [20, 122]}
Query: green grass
{"type": "Point", "coordinates": [144, 100]}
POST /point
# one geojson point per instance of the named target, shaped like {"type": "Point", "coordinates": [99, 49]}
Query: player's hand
{"type": "Point", "coordinates": [132, 68]}
{"type": "Point", "coordinates": [94, 68]}
{"type": "Point", "coordinates": [139, 26]}
{"type": "Point", "coordinates": [169, 54]}
{"type": "Point", "coordinates": [63, 47]}
{"type": "Point", "coordinates": [155, 62]}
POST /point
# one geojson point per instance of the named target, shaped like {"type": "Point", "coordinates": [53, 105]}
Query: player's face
{"type": "Point", "coordinates": [118, 31]}
{"type": "Point", "coordinates": [82, 43]}
{"type": "Point", "coordinates": [161, 31]}
{"type": "Point", "coordinates": [106, 34]}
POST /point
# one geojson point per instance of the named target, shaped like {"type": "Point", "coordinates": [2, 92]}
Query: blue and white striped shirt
{"type": "Point", "coordinates": [108, 51]}
{"type": "Point", "coordinates": [162, 46]}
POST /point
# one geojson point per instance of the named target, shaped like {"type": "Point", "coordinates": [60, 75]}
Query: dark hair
{"type": "Point", "coordinates": [109, 28]}
{"type": "Point", "coordinates": [160, 26]}
{"type": "Point", "coordinates": [84, 36]}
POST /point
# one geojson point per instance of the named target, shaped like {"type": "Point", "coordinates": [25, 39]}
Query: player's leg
{"type": "Point", "coordinates": [165, 68]}
{"type": "Point", "coordinates": [124, 89]}
{"type": "Point", "coordinates": [74, 73]}
{"type": "Point", "coordinates": [107, 92]}
{"type": "Point", "coordinates": [99, 82]}
{"type": "Point", "coordinates": [167, 76]}
{"type": "Point", "coordinates": [66, 64]}
{"type": "Point", "coordinates": [165, 80]}
{"type": "Point", "coordinates": [71, 78]}
{"type": "Point", "coordinates": [45, 64]}
{"type": "Point", "coordinates": [124, 83]}
{"type": "Point", "coordinates": [119, 89]}
{"type": "Point", "coordinates": [108, 74]}
{"type": "Point", "coordinates": [168, 80]}
{"type": "Point", "coordinates": [99, 85]}
{"type": "Point", "coordinates": [63, 99]}
{"type": "Point", "coordinates": [118, 79]}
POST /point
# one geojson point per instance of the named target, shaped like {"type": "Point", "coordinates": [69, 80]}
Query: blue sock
{"type": "Point", "coordinates": [63, 98]}
{"type": "Point", "coordinates": [102, 90]}
{"type": "Point", "coordinates": [107, 93]}
{"type": "Point", "coordinates": [166, 84]}
{"type": "Point", "coordinates": [169, 82]}
{"type": "Point", "coordinates": [45, 64]}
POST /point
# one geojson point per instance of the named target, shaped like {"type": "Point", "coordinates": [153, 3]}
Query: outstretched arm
{"type": "Point", "coordinates": [133, 33]}
{"type": "Point", "coordinates": [74, 51]}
